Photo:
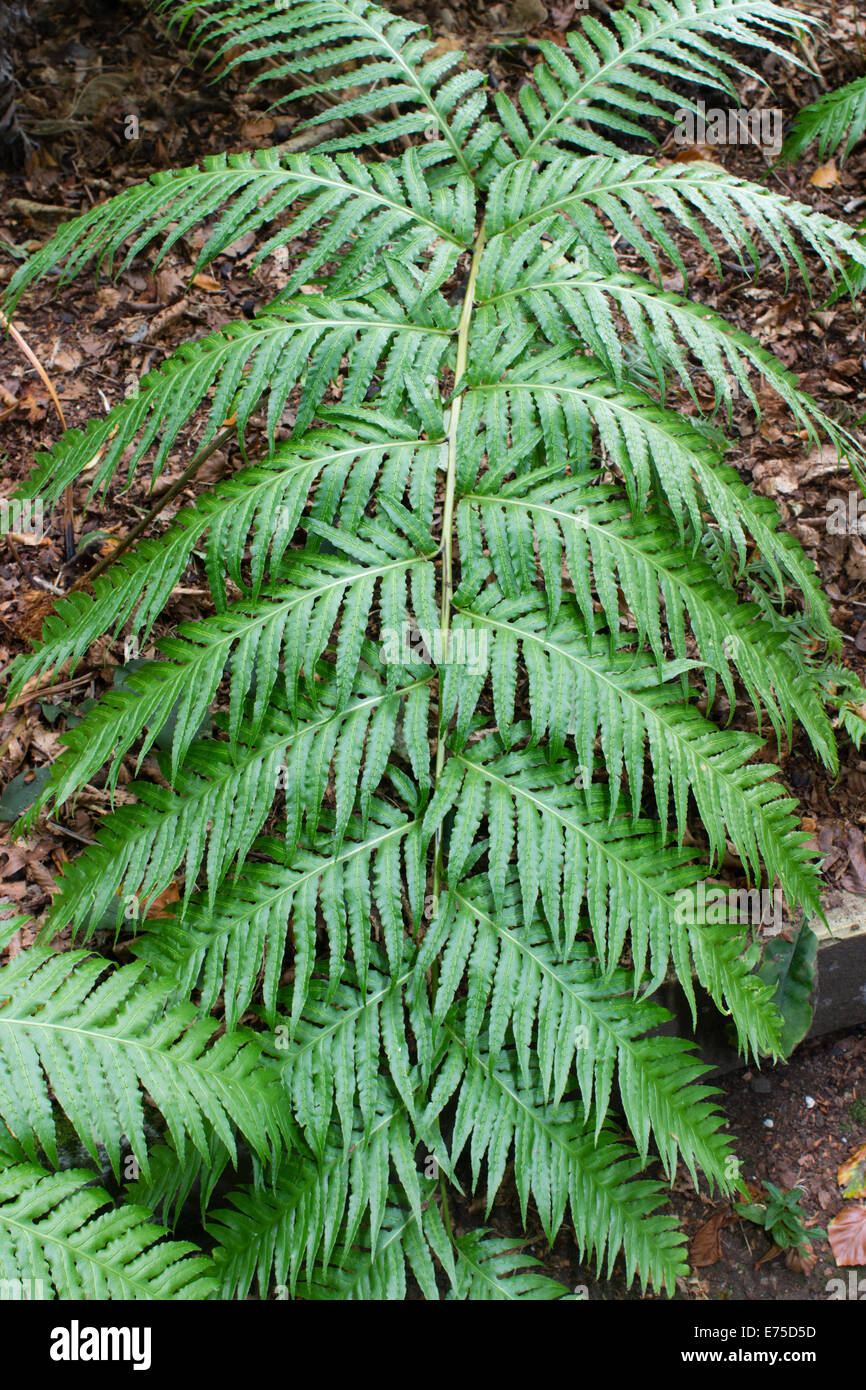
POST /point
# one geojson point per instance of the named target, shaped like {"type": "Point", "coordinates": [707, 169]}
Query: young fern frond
{"type": "Point", "coordinates": [440, 763]}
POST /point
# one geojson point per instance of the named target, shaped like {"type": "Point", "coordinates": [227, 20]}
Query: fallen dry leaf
{"type": "Point", "coordinates": [852, 1174]}
{"type": "Point", "coordinates": [206, 283]}
{"type": "Point", "coordinates": [160, 903]}
{"type": "Point", "coordinates": [770, 1254]}
{"type": "Point", "coordinates": [698, 154]}
{"type": "Point", "coordinates": [847, 1235]}
{"type": "Point", "coordinates": [705, 1247]}
{"type": "Point", "coordinates": [258, 128]}
{"type": "Point", "coordinates": [67, 360]}
{"type": "Point", "coordinates": [826, 175]}
{"type": "Point", "coordinates": [169, 284]}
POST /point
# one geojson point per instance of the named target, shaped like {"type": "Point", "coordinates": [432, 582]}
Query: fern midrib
{"type": "Point", "coordinates": [447, 547]}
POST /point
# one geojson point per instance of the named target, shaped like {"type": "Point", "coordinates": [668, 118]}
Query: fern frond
{"type": "Point", "coordinates": [259, 507]}
{"type": "Point", "coordinates": [668, 328]}
{"type": "Point", "coordinates": [428, 758]}
{"type": "Point", "coordinates": [560, 1163]}
{"type": "Point", "coordinates": [629, 190]}
{"type": "Point", "coordinates": [386, 63]}
{"type": "Point", "coordinates": [611, 79]}
{"type": "Point", "coordinates": [631, 706]}
{"type": "Point", "coordinates": [654, 450]}
{"type": "Point", "coordinates": [285, 346]}
{"type": "Point", "coordinates": [836, 117]}
{"type": "Point", "coordinates": [239, 942]}
{"type": "Point", "coordinates": [58, 1230]}
{"type": "Point", "coordinates": [293, 620]}
{"type": "Point", "coordinates": [309, 1220]}
{"type": "Point", "coordinates": [583, 528]}
{"type": "Point", "coordinates": [569, 848]}
{"type": "Point", "coordinates": [95, 1043]}
{"type": "Point", "coordinates": [400, 213]}
{"type": "Point", "coordinates": [220, 800]}
{"type": "Point", "coordinates": [566, 1020]}
{"type": "Point", "coordinates": [490, 1268]}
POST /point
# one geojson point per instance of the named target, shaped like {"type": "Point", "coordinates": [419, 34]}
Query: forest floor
{"type": "Point", "coordinates": [84, 73]}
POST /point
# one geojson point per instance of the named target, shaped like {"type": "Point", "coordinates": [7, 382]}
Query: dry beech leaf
{"type": "Point", "coordinates": [847, 1234]}
{"type": "Point", "coordinates": [258, 128]}
{"type": "Point", "coordinates": [852, 1174]}
{"type": "Point", "coordinates": [826, 175]}
{"type": "Point", "coordinates": [705, 1247]}
{"type": "Point", "coordinates": [162, 901]}
{"type": "Point", "coordinates": [206, 283]}
{"type": "Point", "coordinates": [698, 154]}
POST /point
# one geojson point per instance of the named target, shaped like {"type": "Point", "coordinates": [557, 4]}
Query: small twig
{"type": "Point", "coordinates": [64, 830]}
{"type": "Point", "coordinates": [27, 697]}
{"type": "Point", "coordinates": [68, 529]}
{"type": "Point", "coordinates": [138, 530]}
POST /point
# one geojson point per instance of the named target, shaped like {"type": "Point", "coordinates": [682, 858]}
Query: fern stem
{"type": "Point", "coordinates": [448, 512]}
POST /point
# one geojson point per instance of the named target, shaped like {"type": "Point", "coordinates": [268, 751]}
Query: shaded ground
{"type": "Point", "coordinates": [84, 75]}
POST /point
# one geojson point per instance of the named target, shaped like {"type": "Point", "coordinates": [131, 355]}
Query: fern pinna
{"type": "Point", "coordinates": [468, 628]}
